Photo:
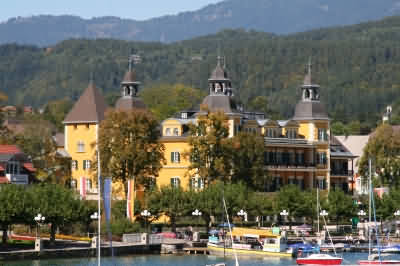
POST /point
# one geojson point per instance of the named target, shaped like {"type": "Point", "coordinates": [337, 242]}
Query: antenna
{"type": "Point", "coordinates": [91, 79]}
{"type": "Point", "coordinates": [130, 63]}
{"type": "Point", "coordinates": [309, 65]}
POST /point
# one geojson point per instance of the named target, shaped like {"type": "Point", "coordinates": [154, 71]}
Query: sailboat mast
{"type": "Point", "coordinates": [98, 207]}
{"type": "Point", "coordinates": [318, 208]}
{"type": "Point", "coordinates": [369, 205]}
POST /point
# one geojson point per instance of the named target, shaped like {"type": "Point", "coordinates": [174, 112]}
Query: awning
{"type": "Point", "coordinates": [29, 167]}
{"type": "Point", "coordinates": [259, 233]}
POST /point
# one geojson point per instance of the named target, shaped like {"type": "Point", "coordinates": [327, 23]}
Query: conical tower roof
{"type": "Point", "coordinates": [219, 73]}
{"type": "Point", "coordinates": [89, 108]}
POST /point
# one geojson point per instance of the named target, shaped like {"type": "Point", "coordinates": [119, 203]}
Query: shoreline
{"type": "Point", "coordinates": [79, 252]}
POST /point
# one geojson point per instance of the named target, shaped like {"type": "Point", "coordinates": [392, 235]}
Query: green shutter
{"type": "Point", "coordinates": [172, 157]}
{"type": "Point", "coordinates": [179, 157]}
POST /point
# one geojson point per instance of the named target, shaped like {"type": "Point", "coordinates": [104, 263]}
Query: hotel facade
{"type": "Point", "coordinates": [299, 151]}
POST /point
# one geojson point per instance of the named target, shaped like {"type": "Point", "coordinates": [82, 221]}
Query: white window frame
{"type": "Point", "coordinates": [74, 165]}
{"type": "Point", "coordinates": [175, 181]}
{"type": "Point", "coordinates": [176, 131]}
{"type": "Point", "coordinates": [176, 157]}
{"type": "Point", "coordinates": [168, 131]}
{"type": "Point", "coordinates": [322, 134]}
{"type": "Point", "coordinates": [80, 146]}
{"type": "Point", "coordinates": [86, 164]}
{"type": "Point", "coordinates": [88, 184]}
{"type": "Point", "coordinates": [73, 183]}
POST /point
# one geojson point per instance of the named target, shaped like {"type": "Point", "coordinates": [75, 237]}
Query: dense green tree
{"type": "Point", "coordinates": [59, 205]}
{"type": "Point", "coordinates": [248, 160]}
{"type": "Point", "coordinates": [165, 100]}
{"type": "Point", "coordinates": [383, 148]}
{"type": "Point", "coordinates": [55, 112]}
{"type": "Point", "coordinates": [170, 201]}
{"type": "Point", "coordinates": [339, 205]}
{"type": "Point", "coordinates": [13, 207]}
{"type": "Point", "coordinates": [129, 147]}
{"type": "Point", "coordinates": [210, 147]}
{"type": "Point", "coordinates": [37, 141]}
{"type": "Point", "coordinates": [291, 199]}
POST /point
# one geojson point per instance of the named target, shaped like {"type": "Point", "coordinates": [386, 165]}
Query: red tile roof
{"type": "Point", "coordinates": [9, 149]}
{"type": "Point", "coordinates": [29, 167]}
{"type": "Point", "coordinates": [4, 180]}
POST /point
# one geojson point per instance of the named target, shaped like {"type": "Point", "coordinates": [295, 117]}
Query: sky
{"type": "Point", "coordinates": [133, 9]}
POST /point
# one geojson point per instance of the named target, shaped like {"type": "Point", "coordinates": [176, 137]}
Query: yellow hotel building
{"type": "Point", "coordinates": [299, 151]}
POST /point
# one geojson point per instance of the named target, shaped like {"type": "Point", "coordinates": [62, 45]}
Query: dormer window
{"type": "Point", "coordinates": [176, 132]}
{"type": "Point", "coordinates": [184, 115]}
{"type": "Point", "coordinates": [168, 132]}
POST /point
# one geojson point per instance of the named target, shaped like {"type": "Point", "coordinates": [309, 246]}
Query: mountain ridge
{"type": "Point", "coordinates": [274, 16]}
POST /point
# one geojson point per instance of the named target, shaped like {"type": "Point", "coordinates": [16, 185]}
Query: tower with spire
{"type": "Point", "coordinates": [80, 132]}
{"type": "Point", "coordinates": [130, 99]}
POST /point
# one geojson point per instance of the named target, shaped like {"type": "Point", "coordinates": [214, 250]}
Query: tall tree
{"type": "Point", "coordinates": [383, 148]}
{"type": "Point", "coordinates": [210, 147]}
{"type": "Point", "coordinates": [59, 205]}
{"type": "Point", "coordinates": [170, 201]}
{"type": "Point", "coordinates": [339, 205]}
{"type": "Point", "coordinates": [12, 207]}
{"type": "Point", "coordinates": [248, 160]}
{"type": "Point", "coordinates": [164, 100]}
{"type": "Point", "coordinates": [129, 146]}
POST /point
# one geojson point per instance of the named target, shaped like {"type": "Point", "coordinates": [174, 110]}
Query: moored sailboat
{"type": "Point", "coordinates": [319, 258]}
{"type": "Point", "coordinates": [374, 259]}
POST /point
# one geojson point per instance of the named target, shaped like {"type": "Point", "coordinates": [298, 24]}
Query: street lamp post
{"type": "Point", "coordinates": [284, 214]}
{"type": "Point", "coordinates": [397, 214]}
{"type": "Point", "coordinates": [39, 219]}
{"type": "Point", "coordinates": [243, 214]}
{"type": "Point", "coordinates": [95, 216]}
{"type": "Point", "coordinates": [361, 213]}
{"type": "Point", "coordinates": [145, 214]}
{"type": "Point", "coordinates": [197, 213]}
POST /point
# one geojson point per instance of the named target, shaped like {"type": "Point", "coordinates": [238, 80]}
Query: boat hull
{"type": "Point", "coordinates": [215, 250]}
{"type": "Point", "coordinates": [377, 262]}
{"type": "Point", "coordinates": [305, 261]}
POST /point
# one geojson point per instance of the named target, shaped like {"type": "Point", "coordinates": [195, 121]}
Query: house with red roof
{"type": "Point", "coordinates": [15, 166]}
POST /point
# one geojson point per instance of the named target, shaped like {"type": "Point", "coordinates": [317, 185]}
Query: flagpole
{"type": "Point", "coordinates": [98, 207]}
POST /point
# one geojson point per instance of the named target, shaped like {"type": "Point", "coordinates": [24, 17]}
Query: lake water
{"type": "Point", "coordinates": [175, 260]}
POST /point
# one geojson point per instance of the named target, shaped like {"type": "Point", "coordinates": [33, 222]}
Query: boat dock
{"type": "Point", "coordinates": [197, 250]}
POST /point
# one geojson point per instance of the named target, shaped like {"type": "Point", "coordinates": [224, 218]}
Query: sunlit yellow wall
{"type": "Point", "coordinates": [170, 169]}
{"type": "Point", "coordinates": [88, 134]}
{"type": "Point", "coordinates": [304, 129]}
{"type": "Point", "coordinates": [172, 124]}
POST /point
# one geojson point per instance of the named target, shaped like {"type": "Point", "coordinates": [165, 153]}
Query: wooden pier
{"type": "Point", "coordinates": [196, 250]}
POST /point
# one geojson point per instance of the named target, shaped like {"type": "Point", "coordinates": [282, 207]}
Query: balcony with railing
{"type": "Point", "coordinates": [18, 179]}
{"type": "Point", "coordinates": [341, 172]}
{"type": "Point", "coordinates": [282, 164]}
{"type": "Point", "coordinates": [286, 141]}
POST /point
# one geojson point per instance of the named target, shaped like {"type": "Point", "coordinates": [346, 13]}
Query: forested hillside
{"type": "Point", "coordinates": [275, 16]}
{"type": "Point", "coordinates": [359, 73]}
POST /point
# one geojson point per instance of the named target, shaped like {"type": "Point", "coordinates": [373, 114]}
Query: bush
{"type": "Point", "coordinates": [123, 226]}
